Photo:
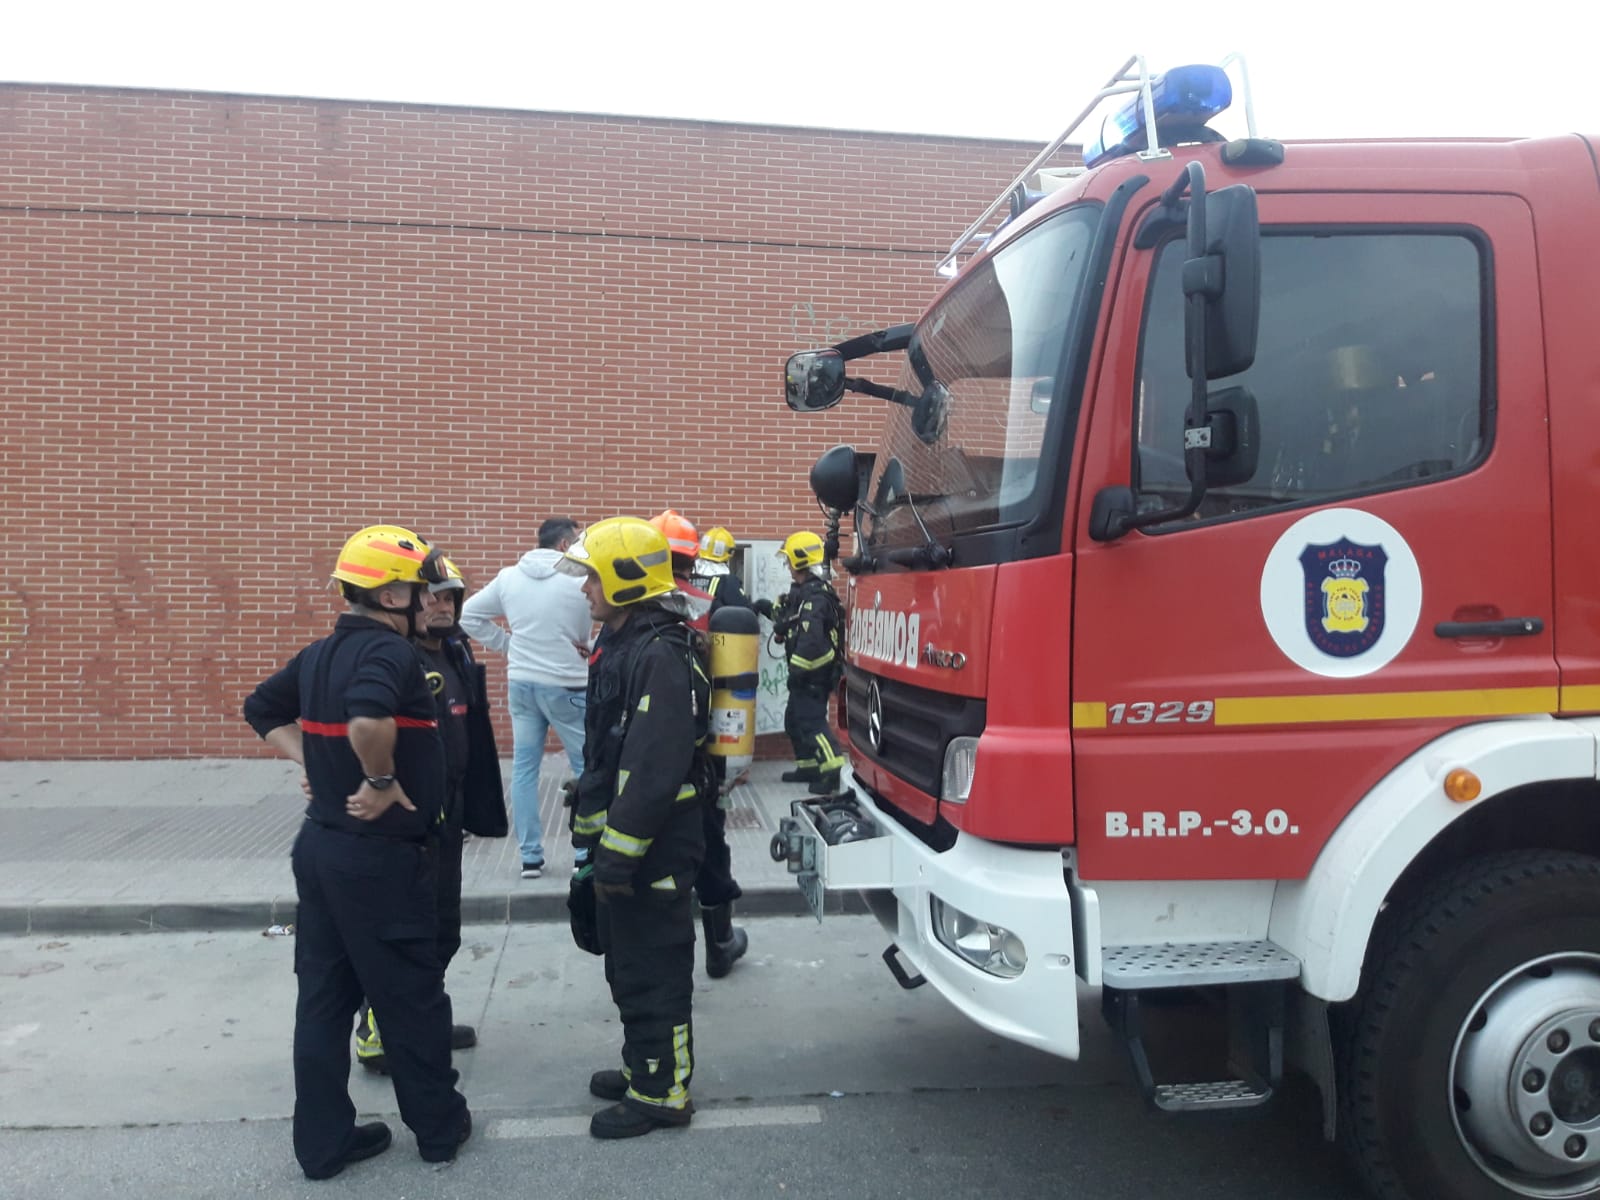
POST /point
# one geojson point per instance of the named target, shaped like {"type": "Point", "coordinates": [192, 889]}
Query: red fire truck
{"type": "Point", "coordinates": [1224, 623]}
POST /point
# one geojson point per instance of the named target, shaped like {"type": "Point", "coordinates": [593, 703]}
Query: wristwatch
{"type": "Point", "coordinates": [380, 783]}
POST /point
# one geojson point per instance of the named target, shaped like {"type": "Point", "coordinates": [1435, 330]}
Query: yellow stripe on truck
{"type": "Point", "coordinates": [1319, 708]}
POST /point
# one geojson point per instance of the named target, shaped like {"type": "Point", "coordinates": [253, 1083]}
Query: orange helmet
{"type": "Point", "coordinates": [680, 534]}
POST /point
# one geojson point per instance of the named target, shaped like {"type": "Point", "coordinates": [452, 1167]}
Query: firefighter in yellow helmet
{"type": "Point", "coordinates": [636, 823]}
{"type": "Point", "coordinates": [355, 710]}
{"type": "Point", "coordinates": [474, 797]}
{"type": "Point", "coordinates": [715, 887]}
{"type": "Point", "coordinates": [809, 623]}
{"type": "Point", "coordinates": [713, 573]}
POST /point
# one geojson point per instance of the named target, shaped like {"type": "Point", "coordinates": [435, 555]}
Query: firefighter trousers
{"type": "Point", "coordinates": [649, 948]}
{"type": "Point", "coordinates": [805, 720]}
{"type": "Point", "coordinates": [367, 925]}
{"type": "Point", "coordinates": [448, 892]}
{"type": "Point", "coordinates": [715, 884]}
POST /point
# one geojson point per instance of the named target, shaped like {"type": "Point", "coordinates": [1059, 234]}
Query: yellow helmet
{"type": "Point", "coordinates": [452, 581]}
{"type": "Point", "coordinates": [802, 549]}
{"type": "Point", "coordinates": [630, 557]}
{"type": "Point", "coordinates": [381, 554]}
{"type": "Point", "coordinates": [717, 545]}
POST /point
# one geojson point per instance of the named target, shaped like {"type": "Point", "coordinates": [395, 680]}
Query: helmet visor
{"type": "Point", "coordinates": [433, 568]}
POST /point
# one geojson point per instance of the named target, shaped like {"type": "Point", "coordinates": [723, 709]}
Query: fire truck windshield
{"type": "Point", "coordinates": [985, 365]}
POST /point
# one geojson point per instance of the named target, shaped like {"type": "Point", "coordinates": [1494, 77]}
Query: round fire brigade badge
{"type": "Point", "coordinates": [1341, 593]}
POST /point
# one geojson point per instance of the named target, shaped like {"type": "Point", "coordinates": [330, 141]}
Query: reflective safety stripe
{"type": "Point", "coordinates": [687, 792]}
{"type": "Point", "coordinates": [369, 1044]}
{"type": "Point", "coordinates": [677, 1096]}
{"type": "Point", "coordinates": [669, 884]}
{"type": "Point", "coordinates": [644, 702]}
{"type": "Point", "coordinates": [622, 780]}
{"type": "Point", "coordinates": [623, 844]}
{"type": "Point", "coordinates": [590, 825]}
{"type": "Point", "coordinates": [827, 760]}
{"type": "Point", "coordinates": [811, 664]}
{"type": "Point", "coordinates": [804, 763]}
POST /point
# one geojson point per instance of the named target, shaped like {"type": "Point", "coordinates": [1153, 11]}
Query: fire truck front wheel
{"type": "Point", "coordinates": [1469, 1063]}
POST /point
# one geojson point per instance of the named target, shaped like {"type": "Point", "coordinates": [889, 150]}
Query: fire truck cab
{"type": "Point", "coordinates": [1223, 618]}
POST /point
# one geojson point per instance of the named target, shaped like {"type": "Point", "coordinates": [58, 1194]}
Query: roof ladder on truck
{"type": "Point", "coordinates": [1036, 179]}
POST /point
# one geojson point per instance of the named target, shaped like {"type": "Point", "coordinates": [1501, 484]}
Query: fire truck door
{"type": "Point", "coordinates": [1242, 677]}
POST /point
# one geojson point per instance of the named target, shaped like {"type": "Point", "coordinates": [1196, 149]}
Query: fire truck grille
{"type": "Point", "coordinates": [917, 724]}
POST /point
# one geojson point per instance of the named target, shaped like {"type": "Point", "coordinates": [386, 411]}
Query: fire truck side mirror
{"type": "Point", "coordinates": [1229, 276]}
{"type": "Point", "coordinates": [1235, 437]}
{"type": "Point", "coordinates": [1112, 513]}
{"type": "Point", "coordinates": [814, 380]}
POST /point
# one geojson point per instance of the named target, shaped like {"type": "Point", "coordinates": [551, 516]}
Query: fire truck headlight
{"type": "Point", "coordinates": [993, 949]}
{"type": "Point", "coordinates": [960, 761]}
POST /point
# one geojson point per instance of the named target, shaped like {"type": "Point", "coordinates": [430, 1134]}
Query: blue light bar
{"type": "Point", "coordinates": [1184, 98]}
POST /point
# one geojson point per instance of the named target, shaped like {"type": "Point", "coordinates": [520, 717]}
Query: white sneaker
{"type": "Point", "coordinates": [532, 870]}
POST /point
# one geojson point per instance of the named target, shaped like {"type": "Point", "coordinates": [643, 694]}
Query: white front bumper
{"type": "Point", "coordinates": [1022, 890]}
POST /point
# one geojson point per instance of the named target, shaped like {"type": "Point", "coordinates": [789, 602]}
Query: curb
{"type": "Point", "coordinates": [482, 908]}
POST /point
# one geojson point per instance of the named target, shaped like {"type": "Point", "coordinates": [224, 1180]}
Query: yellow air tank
{"type": "Point", "coordinates": [735, 671]}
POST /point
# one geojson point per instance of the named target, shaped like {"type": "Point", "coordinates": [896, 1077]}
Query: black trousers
{"type": "Point", "coordinates": [805, 720]}
{"type": "Point", "coordinates": [715, 883]}
{"type": "Point", "coordinates": [649, 948]}
{"type": "Point", "coordinates": [448, 894]}
{"type": "Point", "coordinates": [368, 925]}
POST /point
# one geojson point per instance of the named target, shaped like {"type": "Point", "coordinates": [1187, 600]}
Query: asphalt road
{"type": "Point", "coordinates": [157, 1065]}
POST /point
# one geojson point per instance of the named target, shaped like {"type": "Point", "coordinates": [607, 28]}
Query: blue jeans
{"type": "Point", "coordinates": [535, 707]}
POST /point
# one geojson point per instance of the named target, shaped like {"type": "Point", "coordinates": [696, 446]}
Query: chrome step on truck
{"type": "Point", "coordinates": [1253, 977]}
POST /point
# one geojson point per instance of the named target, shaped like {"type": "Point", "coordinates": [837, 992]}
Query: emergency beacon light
{"type": "Point", "coordinates": [1181, 99]}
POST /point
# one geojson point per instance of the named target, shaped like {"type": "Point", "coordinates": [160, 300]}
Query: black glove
{"type": "Point", "coordinates": [581, 904]}
{"type": "Point", "coordinates": [763, 607]}
{"type": "Point", "coordinates": [569, 793]}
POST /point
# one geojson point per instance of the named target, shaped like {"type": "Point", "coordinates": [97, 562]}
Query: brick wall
{"type": "Point", "coordinates": [234, 329]}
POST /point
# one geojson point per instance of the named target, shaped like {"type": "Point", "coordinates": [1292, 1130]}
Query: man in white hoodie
{"type": "Point", "coordinates": [548, 669]}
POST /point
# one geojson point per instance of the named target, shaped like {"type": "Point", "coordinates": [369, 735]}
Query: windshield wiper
{"type": "Point", "coordinates": [932, 553]}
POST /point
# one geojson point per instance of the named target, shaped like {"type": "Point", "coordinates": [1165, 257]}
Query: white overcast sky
{"type": "Point", "coordinates": [1318, 68]}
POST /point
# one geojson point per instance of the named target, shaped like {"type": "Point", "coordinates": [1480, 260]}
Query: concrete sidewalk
{"type": "Point", "coordinates": [204, 844]}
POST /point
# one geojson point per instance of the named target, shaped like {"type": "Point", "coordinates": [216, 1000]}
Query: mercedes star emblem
{"type": "Point", "coordinates": [874, 716]}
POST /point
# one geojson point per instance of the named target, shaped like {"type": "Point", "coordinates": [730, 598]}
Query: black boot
{"type": "Point", "coordinates": [725, 945]}
{"type": "Point", "coordinates": [799, 775]}
{"type": "Point", "coordinates": [825, 785]}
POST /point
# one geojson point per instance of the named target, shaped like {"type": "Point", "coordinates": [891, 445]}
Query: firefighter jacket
{"type": "Point", "coordinates": [645, 772]}
{"type": "Point", "coordinates": [725, 589]}
{"type": "Point", "coordinates": [812, 632]}
{"type": "Point", "coordinates": [484, 806]}
{"type": "Point", "coordinates": [364, 669]}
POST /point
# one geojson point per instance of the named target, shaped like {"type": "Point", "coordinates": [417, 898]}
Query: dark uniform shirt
{"type": "Point", "coordinates": [450, 695]}
{"type": "Point", "coordinates": [648, 710]}
{"type": "Point", "coordinates": [364, 669]}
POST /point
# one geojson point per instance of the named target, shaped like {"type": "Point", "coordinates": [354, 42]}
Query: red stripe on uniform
{"type": "Point", "coordinates": [332, 729]}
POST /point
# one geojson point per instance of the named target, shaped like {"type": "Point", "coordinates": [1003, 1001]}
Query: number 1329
{"type": "Point", "coordinates": [1162, 712]}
